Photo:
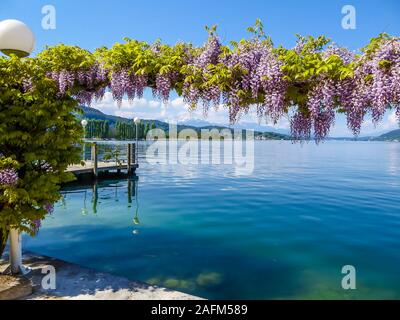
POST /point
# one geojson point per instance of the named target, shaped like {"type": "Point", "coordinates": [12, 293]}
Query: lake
{"type": "Point", "coordinates": [283, 232]}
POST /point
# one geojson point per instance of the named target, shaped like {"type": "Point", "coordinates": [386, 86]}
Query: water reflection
{"type": "Point", "coordinates": [133, 187]}
{"type": "Point", "coordinates": [109, 190]}
{"type": "Point", "coordinates": [95, 197]}
{"type": "Point", "coordinates": [84, 209]}
{"type": "Point", "coordinates": [394, 159]}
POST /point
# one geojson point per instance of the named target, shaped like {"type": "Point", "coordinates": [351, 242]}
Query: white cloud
{"type": "Point", "coordinates": [389, 122]}
{"type": "Point", "coordinates": [154, 104]}
{"type": "Point", "coordinates": [392, 121]}
{"type": "Point", "coordinates": [107, 104]}
{"type": "Point", "coordinates": [178, 103]}
{"type": "Point", "coordinates": [125, 114]}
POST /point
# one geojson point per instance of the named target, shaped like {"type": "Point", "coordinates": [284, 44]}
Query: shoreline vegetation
{"type": "Point", "coordinates": [106, 127]}
{"type": "Point", "coordinates": [115, 128]}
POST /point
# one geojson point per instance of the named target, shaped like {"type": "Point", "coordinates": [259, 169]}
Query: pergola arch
{"type": "Point", "coordinates": [310, 82]}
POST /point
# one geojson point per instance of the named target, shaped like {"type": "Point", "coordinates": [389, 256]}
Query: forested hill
{"type": "Point", "coordinates": [390, 136]}
{"type": "Point", "coordinates": [106, 126]}
{"type": "Point", "coordinates": [92, 113]}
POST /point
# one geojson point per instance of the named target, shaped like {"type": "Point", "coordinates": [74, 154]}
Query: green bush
{"type": "Point", "coordinates": [38, 136]}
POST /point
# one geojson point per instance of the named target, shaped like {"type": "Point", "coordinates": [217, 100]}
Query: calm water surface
{"type": "Point", "coordinates": [285, 231]}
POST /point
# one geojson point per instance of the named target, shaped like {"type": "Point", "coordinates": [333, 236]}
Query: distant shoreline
{"type": "Point", "coordinates": [95, 114]}
{"type": "Point", "coordinates": [215, 140]}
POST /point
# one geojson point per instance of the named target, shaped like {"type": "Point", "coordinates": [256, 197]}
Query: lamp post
{"type": "Point", "coordinates": [84, 124]}
{"type": "Point", "coordinates": [16, 38]}
{"type": "Point", "coordinates": [137, 122]}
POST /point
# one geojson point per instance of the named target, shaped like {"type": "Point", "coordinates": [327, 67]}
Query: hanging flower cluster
{"type": "Point", "coordinates": [75, 71]}
{"type": "Point", "coordinates": [8, 177]}
{"type": "Point", "coordinates": [310, 82]}
{"type": "Point", "coordinates": [377, 79]}
{"type": "Point", "coordinates": [123, 82]}
{"type": "Point", "coordinates": [89, 81]}
{"type": "Point", "coordinates": [49, 207]}
{"type": "Point", "coordinates": [198, 72]}
{"type": "Point", "coordinates": [37, 223]}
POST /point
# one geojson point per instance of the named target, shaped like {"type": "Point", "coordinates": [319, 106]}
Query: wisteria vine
{"type": "Point", "coordinates": [310, 83]}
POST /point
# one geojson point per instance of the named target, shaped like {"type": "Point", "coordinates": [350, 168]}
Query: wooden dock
{"type": "Point", "coordinates": [88, 167]}
{"type": "Point", "coordinates": [94, 167]}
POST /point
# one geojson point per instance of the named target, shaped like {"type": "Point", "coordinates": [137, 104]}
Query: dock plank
{"type": "Point", "coordinates": [101, 166]}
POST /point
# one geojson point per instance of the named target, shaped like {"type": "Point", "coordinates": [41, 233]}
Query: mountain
{"type": "Point", "coordinates": [390, 136]}
{"type": "Point", "coordinates": [197, 125]}
{"type": "Point", "coordinates": [260, 128]}
{"type": "Point", "coordinates": [92, 113]}
{"type": "Point", "coordinates": [378, 133]}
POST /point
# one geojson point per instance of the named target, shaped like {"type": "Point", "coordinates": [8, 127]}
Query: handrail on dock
{"type": "Point", "coordinates": [94, 166]}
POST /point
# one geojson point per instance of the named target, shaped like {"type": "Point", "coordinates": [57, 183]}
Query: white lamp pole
{"type": "Point", "coordinates": [84, 124]}
{"type": "Point", "coordinates": [16, 38]}
{"type": "Point", "coordinates": [137, 122]}
{"type": "Point", "coordinates": [16, 252]}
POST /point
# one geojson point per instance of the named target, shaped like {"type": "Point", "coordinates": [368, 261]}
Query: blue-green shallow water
{"type": "Point", "coordinates": [283, 232]}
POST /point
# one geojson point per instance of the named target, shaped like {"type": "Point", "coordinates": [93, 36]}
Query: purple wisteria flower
{"type": "Point", "coordinates": [8, 177]}
{"type": "Point", "coordinates": [49, 207]}
{"type": "Point", "coordinates": [36, 225]}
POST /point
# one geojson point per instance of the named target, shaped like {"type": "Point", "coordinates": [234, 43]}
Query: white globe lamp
{"type": "Point", "coordinates": [16, 38]}
{"type": "Point", "coordinates": [84, 123]}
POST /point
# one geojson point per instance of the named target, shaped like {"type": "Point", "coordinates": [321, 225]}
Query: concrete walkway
{"type": "Point", "coordinates": [79, 283]}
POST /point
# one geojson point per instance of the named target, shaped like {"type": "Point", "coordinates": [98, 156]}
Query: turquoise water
{"type": "Point", "coordinates": [285, 231]}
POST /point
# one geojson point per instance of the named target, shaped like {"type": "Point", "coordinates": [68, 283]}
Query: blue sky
{"type": "Point", "coordinates": [91, 24]}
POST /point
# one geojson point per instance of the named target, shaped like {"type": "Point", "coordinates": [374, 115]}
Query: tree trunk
{"type": "Point", "coordinates": [3, 241]}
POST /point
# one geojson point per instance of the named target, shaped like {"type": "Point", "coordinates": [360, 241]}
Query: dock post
{"type": "Point", "coordinates": [129, 154]}
{"type": "Point", "coordinates": [94, 159]}
{"type": "Point", "coordinates": [134, 153]}
{"type": "Point", "coordinates": [95, 197]}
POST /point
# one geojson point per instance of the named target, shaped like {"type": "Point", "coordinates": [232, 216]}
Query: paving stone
{"type": "Point", "coordinates": [14, 287]}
